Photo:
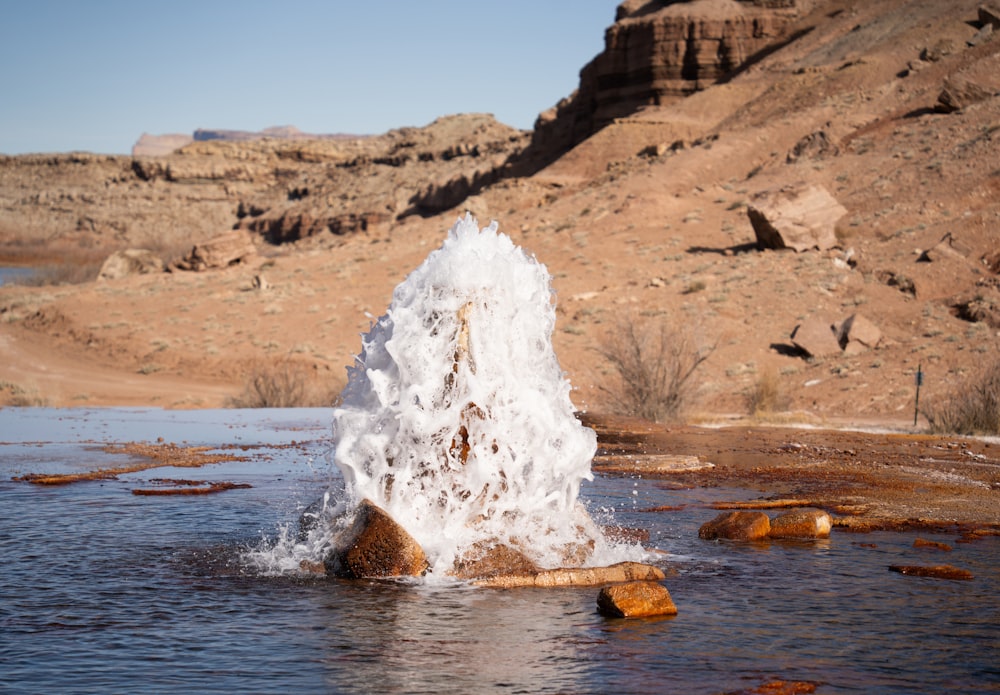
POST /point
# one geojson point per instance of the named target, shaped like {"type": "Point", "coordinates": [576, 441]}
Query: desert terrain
{"type": "Point", "coordinates": [635, 193]}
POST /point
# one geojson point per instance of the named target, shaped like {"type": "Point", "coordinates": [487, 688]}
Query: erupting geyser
{"type": "Point", "coordinates": [457, 419]}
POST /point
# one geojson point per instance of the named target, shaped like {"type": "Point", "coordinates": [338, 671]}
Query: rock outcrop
{"type": "Point", "coordinates": [658, 51]}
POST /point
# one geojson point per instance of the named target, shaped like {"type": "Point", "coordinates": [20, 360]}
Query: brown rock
{"type": "Point", "coordinates": [376, 546]}
{"type": "Point", "coordinates": [989, 13]}
{"type": "Point", "coordinates": [736, 526]}
{"type": "Point", "coordinates": [857, 333]}
{"type": "Point", "coordinates": [978, 82]}
{"type": "Point", "coordinates": [130, 262]}
{"type": "Point", "coordinates": [933, 571]}
{"type": "Point", "coordinates": [635, 600]}
{"type": "Point", "coordinates": [577, 576]}
{"type": "Point", "coordinates": [802, 523]}
{"type": "Point", "coordinates": [484, 561]}
{"type": "Point", "coordinates": [815, 337]}
{"type": "Point", "coordinates": [219, 252]}
{"type": "Point", "coordinates": [795, 217]}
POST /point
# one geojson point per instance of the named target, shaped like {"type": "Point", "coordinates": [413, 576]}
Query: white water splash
{"type": "Point", "coordinates": [457, 418]}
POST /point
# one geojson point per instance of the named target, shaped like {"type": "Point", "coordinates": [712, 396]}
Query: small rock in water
{"type": "Point", "coordinates": [802, 523]}
{"type": "Point", "coordinates": [736, 526]}
{"type": "Point", "coordinates": [635, 600]}
{"type": "Point", "coordinates": [934, 545]}
{"type": "Point", "coordinates": [933, 571]}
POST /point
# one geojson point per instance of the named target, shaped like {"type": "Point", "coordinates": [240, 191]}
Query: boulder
{"type": "Point", "coordinates": [375, 546]}
{"type": "Point", "coordinates": [576, 576]}
{"type": "Point", "coordinates": [220, 252]}
{"type": "Point", "coordinates": [635, 600]}
{"type": "Point", "coordinates": [977, 82]}
{"type": "Point", "coordinates": [801, 523]}
{"type": "Point", "coordinates": [799, 217]}
{"type": "Point", "coordinates": [815, 337]}
{"type": "Point", "coordinates": [130, 262]}
{"type": "Point", "coordinates": [736, 526]}
{"type": "Point", "coordinates": [857, 334]}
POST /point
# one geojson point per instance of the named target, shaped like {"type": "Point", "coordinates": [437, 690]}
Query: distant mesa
{"type": "Point", "coordinates": [158, 145]}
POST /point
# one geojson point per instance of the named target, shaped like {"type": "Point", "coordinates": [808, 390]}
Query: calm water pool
{"type": "Point", "coordinates": [105, 591]}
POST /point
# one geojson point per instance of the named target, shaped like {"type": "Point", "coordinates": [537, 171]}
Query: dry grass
{"type": "Point", "coordinates": [653, 365]}
{"type": "Point", "coordinates": [765, 397]}
{"type": "Point", "coordinates": [972, 408]}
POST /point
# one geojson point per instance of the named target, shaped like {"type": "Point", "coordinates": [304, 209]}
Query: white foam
{"type": "Point", "coordinates": [457, 418]}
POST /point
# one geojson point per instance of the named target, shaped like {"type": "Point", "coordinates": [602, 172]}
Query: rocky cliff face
{"type": "Point", "coordinates": [282, 188]}
{"type": "Point", "coordinates": [659, 51]}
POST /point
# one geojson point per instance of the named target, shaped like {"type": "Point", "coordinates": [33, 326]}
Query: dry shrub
{"type": "Point", "coordinates": [972, 408]}
{"type": "Point", "coordinates": [654, 365]}
{"type": "Point", "coordinates": [283, 384]}
{"type": "Point", "coordinates": [765, 396]}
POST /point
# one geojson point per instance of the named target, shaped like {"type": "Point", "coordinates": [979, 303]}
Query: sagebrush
{"type": "Point", "coordinates": [971, 408]}
{"type": "Point", "coordinates": [653, 365]}
{"type": "Point", "coordinates": [284, 383]}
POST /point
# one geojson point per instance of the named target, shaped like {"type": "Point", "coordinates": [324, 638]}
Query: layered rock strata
{"type": "Point", "coordinates": [658, 51]}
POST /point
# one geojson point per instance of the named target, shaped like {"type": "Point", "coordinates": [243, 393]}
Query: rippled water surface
{"type": "Point", "coordinates": [105, 591]}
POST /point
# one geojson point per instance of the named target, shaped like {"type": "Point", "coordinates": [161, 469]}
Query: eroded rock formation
{"type": "Point", "coordinates": [658, 51]}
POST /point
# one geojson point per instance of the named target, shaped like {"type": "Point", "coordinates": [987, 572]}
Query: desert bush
{"type": "Point", "coordinates": [971, 408]}
{"type": "Point", "coordinates": [653, 367]}
{"type": "Point", "coordinates": [283, 384]}
{"type": "Point", "coordinates": [766, 396]}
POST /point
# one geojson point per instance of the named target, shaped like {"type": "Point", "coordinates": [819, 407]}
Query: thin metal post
{"type": "Point", "coordinates": [916, 402]}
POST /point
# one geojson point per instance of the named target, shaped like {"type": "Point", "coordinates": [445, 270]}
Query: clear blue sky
{"type": "Point", "coordinates": [95, 74]}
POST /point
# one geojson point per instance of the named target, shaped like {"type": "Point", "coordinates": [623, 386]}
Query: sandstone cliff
{"type": "Point", "coordinates": [659, 51]}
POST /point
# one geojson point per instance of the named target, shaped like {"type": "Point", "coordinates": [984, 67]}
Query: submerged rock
{"type": "Point", "coordinates": [736, 526]}
{"type": "Point", "coordinates": [934, 571]}
{"type": "Point", "coordinates": [635, 600]}
{"type": "Point", "coordinates": [376, 546]}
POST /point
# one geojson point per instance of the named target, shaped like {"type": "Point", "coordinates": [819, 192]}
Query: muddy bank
{"type": "Point", "coordinates": [866, 480]}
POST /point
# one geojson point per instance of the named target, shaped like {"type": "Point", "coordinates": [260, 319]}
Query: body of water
{"type": "Point", "coordinates": [104, 591]}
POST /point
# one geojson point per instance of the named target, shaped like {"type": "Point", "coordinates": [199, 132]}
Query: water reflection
{"type": "Point", "coordinates": [454, 639]}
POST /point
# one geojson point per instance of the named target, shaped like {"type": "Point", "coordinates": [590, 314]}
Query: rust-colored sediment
{"type": "Point", "coordinates": [156, 455]}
